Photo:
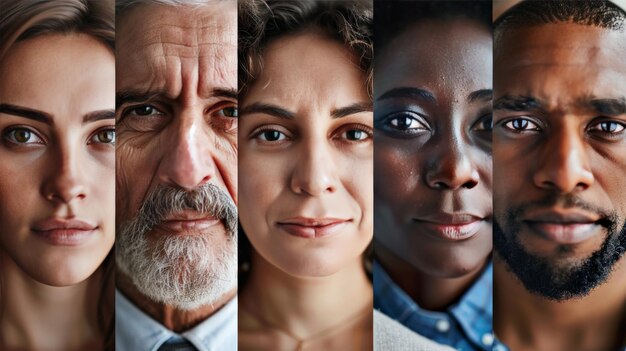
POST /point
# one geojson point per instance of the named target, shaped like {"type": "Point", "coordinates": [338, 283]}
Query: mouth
{"type": "Point", "coordinates": [188, 222]}
{"type": "Point", "coordinates": [451, 226]}
{"type": "Point", "coordinates": [304, 227]}
{"type": "Point", "coordinates": [566, 227]}
{"type": "Point", "coordinates": [64, 232]}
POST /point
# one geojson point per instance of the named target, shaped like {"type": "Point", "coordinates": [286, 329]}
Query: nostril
{"type": "Point", "coordinates": [470, 184]}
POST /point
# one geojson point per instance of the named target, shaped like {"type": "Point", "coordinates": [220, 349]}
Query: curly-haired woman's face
{"type": "Point", "coordinates": [57, 152]}
{"type": "Point", "coordinates": [433, 147]}
{"type": "Point", "coordinates": [306, 152]}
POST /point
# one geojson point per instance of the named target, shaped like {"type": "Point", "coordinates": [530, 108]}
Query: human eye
{"type": "Point", "coordinates": [22, 136]}
{"type": "Point", "coordinates": [143, 110]}
{"type": "Point", "coordinates": [270, 135]}
{"type": "Point", "coordinates": [355, 133]}
{"type": "Point", "coordinates": [404, 123]}
{"type": "Point", "coordinates": [608, 129]}
{"type": "Point", "coordinates": [103, 136]}
{"type": "Point", "coordinates": [521, 125]}
{"type": "Point", "coordinates": [484, 123]}
{"type": "Point", "coordinates": [229, 112]}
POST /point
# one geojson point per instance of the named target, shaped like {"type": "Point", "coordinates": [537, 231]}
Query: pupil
{"type": "Point", "coordinates": [106, 136]}
{"type": "Point", "coordinates": [608, 126]}
{"type": "Point", "coordinates": [272, 135]}
{"type": "Point", "coordinates": [520, 124]}
{"type": "Point", "coordinates": [355, 134]}
{"type": "Point", "coordinates": [144, 110]}
{"type": "Point", "coordinates": [404, 123]}
{"type": "Point", "coordinates": [22, 136]}
{"type": "Point", "coordinates": [231, 112]}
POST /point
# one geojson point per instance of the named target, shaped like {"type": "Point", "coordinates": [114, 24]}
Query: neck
{"type": "Point", "coordinates": [306, 306]}
{"type": "Point", "coordinates": [173, 318]}
{"type": "Point", "coordinates": [428, 291]}
{"type": "Point", "coordinates": [526, 321]}
{"type": "Point", "coordinates": [38, 316]}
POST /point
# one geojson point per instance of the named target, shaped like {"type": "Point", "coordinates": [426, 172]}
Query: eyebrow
{"type": "Point", "coordinates": [46, 118]}
{"type": "Point", "coordinates": [517, 103]}
{"type": "Point", "coordinates": [25, 112]}
{"type": "Point", "coordinates": [482, 94]}
{"type": "Point", "coordinates": [280, 112]}
{"type": "Point", "coordinates": [352, 109]}
{"type": "Point", "coordinates": [408, 93]}
{"type": "Point", "coordinates": [128, 96]}
{"type": "Point", "coordinates": [611, 107]}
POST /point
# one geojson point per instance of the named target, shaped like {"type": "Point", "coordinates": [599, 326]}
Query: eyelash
{"type": "Point", "coordinates": [9, 134]}
{"type": "Point", "coordinates": [337, 135]}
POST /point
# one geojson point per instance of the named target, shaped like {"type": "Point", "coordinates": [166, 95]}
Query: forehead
{"type": "Point", "coordinates": [158, 44]}
{"type": "Point", "coordinates": [300, 67]}
{"type": "Point", "coordinates": [561, 61]}
{"type": "Point", "coordinates": [65, 75]}
{"type": "Point", "coordinates": [456, 52]}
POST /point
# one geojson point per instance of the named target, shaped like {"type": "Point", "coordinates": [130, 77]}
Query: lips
{"type": "Point", "coordinates": [306, 227]}
{"type": "Point", "coordinates": [188, 222]}
{"type": "Point", "coordinates": [563, 226]}
{"type": "Point", "coordinates": [64, 232]}
{"type": "Point", "coordinates": [451, 226]}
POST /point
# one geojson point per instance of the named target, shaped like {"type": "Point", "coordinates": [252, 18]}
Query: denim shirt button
{"type": "Point", "coordinates": [442, 325]}
{"type": "Point", "coordinates": [499, 348]}
{"type": "Point", "coordinates": [487, 339]}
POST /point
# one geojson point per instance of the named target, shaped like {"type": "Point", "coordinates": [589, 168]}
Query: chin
{"type": "Point", "coordinates": [59, 271]}
{"type": "Point", "coordinates": [449, 266]}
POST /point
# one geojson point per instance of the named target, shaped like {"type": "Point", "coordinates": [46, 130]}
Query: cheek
{"type": "Point", "coordinates": [133, 176]}
{"type": "Point", "coordinates": [396, 176]}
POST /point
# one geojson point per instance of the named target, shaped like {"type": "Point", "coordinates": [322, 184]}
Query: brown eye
{"type": "Point", "coordinates": [22, 136]}
{"type": "Point", "coordinates": [104, 136]}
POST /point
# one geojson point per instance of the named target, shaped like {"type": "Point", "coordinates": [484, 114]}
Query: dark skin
{"type": "Point", "coordinates": [433, 159]}
{"type": "Point", "coordinates": [566, 140]}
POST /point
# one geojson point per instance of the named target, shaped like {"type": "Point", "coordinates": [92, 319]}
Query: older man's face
{"type": "Point", "coordinates": [560, 155]}
{"type": "Point", "coordinates": [177, 150]}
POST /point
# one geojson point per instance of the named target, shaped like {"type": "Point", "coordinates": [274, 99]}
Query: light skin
{"type": "Point", "coordinates": [308, 141]}
{"type": "Point", "coordinates": [432, 159]}
{"type": "Point", "coordinates": [568, 142]}
{"type": "Point", "coordinates": [176, 115]}
{"type": "Point", "coordinates": [58, 152]}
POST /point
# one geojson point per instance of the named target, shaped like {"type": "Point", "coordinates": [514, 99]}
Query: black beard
{"type": "Point", "coordinates": [559, 282]}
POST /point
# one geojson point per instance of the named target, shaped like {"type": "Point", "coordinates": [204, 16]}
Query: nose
{"type": "Point", "coordinates": [315, 172]}
{"type": "Point", "coordinates": [451, 167]}
{"type": "Point", "coordinates": [64, 183]}
{"type": "Point", "coordinates": [188, 160]}
{"type": "Point", "coordinates": [563, 165]}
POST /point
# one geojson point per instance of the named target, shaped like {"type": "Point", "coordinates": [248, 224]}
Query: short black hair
{"type": "Point", "coordinates": [392, 18]}
{"type": "Point", "coordinates": [597, 13]}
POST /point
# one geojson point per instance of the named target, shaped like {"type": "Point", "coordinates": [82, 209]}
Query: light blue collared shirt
{"type": "Point", "coordinates": [136, 331]}
{"type": "Point", "coordinates": [466, 326]}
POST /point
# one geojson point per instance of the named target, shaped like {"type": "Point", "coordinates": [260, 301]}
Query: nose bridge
{"type": "Point", "coordinates": [563, 163]}
{"type": "Point", "coordinates": [65, 181]}
{"type": "Point", "coordinates": [451, 166]}
{"type": "Point", "coordinates": [314, 171]}
{"type": "Point", "coordinates": [187, 161]}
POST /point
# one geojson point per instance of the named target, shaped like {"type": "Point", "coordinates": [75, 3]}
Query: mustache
{"type": "Point", "coordinates": [206, 199]}
{"type": "Point", "coordinates": [608, 218]}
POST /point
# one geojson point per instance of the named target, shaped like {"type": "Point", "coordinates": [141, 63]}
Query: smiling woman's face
{"type": "Point", "coordinates": [57, 146]}
{"type": "Point", "coordinates": [432, 161]}
{"type": "Point", "coordinates": [305, 143]}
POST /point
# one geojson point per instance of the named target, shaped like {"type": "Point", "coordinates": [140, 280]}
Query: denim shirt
{"type": "Point", "coordinates": [467, 325]}
{"type": "Point", "coordinates": [136, 331]}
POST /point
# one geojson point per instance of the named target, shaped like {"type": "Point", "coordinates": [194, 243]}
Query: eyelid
{"type": "Point", "coordinates": [270, 127]}
{"type": "Point", "coordinates": [353, 126]}
{"type": "Point", "coordinates": [95, 133]}
{"type": "Point", "coordinates": [503, 124]}
{"type": "Point", "coordinates": [598, 122]}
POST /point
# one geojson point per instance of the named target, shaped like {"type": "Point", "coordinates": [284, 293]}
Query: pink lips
{"type": "Point", "coordinates": [451, 226]}
{"type": "Point", "coordinates": [563, 226]}
{"type": "Point", "coordinates": [64, 232]}
{"type": "Point", "coordinates": [304, 227]}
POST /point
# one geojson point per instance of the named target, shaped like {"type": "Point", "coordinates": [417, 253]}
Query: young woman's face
{"type": "Point", "coordinates": [57, 152]}
{"type": "Point", "coordinates": [306, 151]}
{"type": "Point", "coordinates": [432, 163]}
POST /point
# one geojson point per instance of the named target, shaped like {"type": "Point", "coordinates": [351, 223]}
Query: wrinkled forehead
{"type": "Point", "coordinates": [156, 42]}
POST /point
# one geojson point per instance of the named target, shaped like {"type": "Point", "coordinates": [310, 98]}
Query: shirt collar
{"type": "Point", "coordinates": [135, 330]}
{"type": "Point", "coordinates": [473, 312]}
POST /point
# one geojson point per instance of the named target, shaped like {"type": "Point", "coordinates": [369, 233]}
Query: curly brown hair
{"type": "Point", "coordinates": [262, 21]}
